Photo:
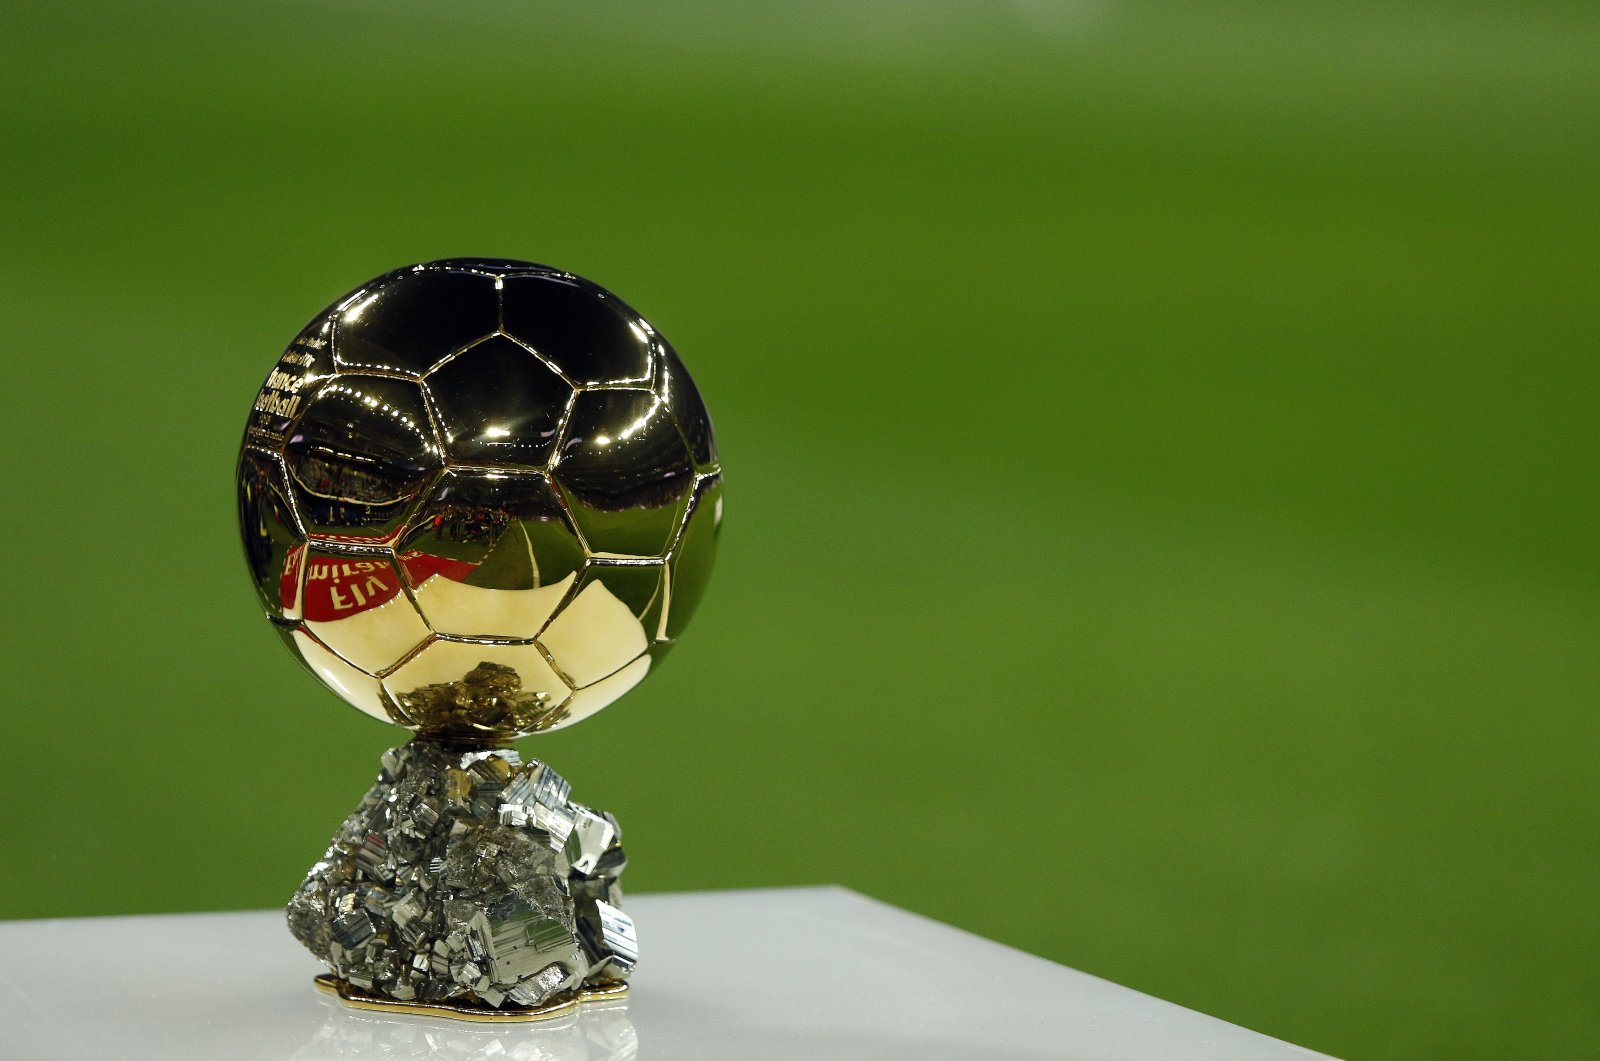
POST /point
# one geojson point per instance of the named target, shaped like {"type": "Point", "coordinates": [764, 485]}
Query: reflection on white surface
{"type": "Point", "coordinates": [236, 986]}
{"type": "Point", "coordinates": [597, 1032]}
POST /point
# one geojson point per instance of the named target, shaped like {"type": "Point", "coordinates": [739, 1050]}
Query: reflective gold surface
{"type": "Point", "coordinates": [479, 498]}
{"type": "Point", "coordinates": [351, 995]}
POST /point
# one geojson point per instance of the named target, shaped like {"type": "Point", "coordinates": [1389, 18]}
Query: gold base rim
{"type": "Point", "coordinates": [356, 998]}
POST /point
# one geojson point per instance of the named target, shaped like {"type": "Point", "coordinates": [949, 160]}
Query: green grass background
{"type": "Point", "coordinates": [1161, 444]}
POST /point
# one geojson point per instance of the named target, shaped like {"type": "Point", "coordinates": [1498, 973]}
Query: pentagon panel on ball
{"type": "Point", "coordinates": [499, 404]}
{"type": "Point", "coordinates": [479, 498]}
{"type": "Point", "coordinates": [588, 334]}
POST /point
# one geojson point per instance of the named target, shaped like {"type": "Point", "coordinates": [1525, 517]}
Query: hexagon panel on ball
{"type": "Point", "coordinates": [490, 554]}
{"type": "Point", "coordinates": [359, 456]}
{"type": "Point", "coordinates": [625, 472]}
{"type": "Point", "coordinates": [410, 320]}
{"type": "Point", "coordinates": [356, 606]}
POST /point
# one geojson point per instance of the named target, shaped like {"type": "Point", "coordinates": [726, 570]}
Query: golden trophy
{"type": "Point", "coordinates": [480, 499]}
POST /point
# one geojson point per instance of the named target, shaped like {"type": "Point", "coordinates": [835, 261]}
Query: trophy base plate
{"type": "Point", "coordinates": [355, 997]}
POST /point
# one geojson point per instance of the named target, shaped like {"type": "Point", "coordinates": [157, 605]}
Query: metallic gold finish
{"type": "Point", "coordinates": [581, 329]}
{"type": "Point", "coordinates": [479, 498]}
{"type": "Point", "coordinates": [472, 689]}
{"type": "Point", "coordinates": [625, 472]}
{"type": "Point", "coordinates": [499, 405]}
{"type": "Point", "coordinates": [690, 566]}
{"type": "Point", "coordinates": [615, 992]}
{"type": "Point", "coordinates": [359, 456]}
{"type": "Point", "coordinates": [494, 557]}
{"type": "Point", "coordinates": [356, 998]}
{"type": "Point", "coordinates": [407, 321]}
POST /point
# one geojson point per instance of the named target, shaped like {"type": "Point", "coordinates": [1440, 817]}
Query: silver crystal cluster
{"type": "Point", "coordinates": [468, 876]}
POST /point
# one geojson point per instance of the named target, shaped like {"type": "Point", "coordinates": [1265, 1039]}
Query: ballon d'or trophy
{"type": "Point", "coordinates": [480, 499]}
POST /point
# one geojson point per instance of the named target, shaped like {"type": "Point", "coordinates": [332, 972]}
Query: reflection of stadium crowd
{"type": "Point", "coordinates": [468, 523]}
{"type": "Point", "coordinates": [262, 513]}
{"type": "Point", "coordinates": [339, 495]}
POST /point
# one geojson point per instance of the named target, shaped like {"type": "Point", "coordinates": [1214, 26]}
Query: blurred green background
{"type": "Point", "coordinates": [1161, 439]}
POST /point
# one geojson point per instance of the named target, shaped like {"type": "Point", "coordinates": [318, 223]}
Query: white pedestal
{"type": "Point", "coordinates": [814, 973]}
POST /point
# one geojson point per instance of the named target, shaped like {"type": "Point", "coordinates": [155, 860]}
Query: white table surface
{"type": "Point", "coordinates": [814, 973]}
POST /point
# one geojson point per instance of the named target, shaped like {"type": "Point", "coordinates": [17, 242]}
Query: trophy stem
{"type": "Point", "coordinates": [468, 884]}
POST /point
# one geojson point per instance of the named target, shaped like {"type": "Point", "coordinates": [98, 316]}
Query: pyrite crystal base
{"type": "Point", "coordinates": [468, 884]}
